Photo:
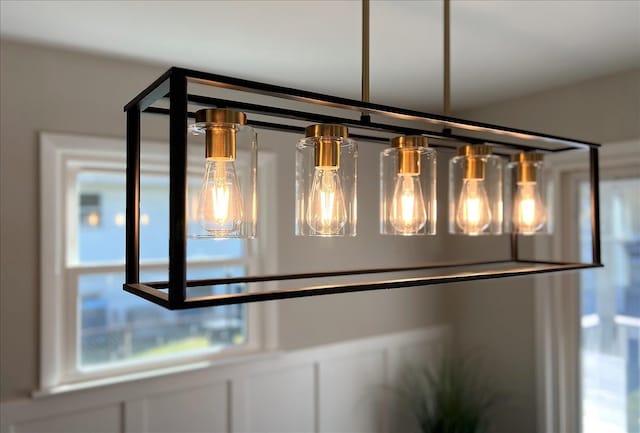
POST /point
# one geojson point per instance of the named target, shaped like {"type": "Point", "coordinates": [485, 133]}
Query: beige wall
{"type": "Point", "coordinates": [605, 109]}
{"type": "Point", "coordinates": [497, 317]}
{"type": "Point", "coordinates": [46, 89]}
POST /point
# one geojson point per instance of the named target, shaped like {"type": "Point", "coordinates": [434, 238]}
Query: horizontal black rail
{"type": "Point", "coordinates": [285, 128]}
{"type": "Point", "coordinates": [240, 84]}
{"type": "Point", "coordinates": [364, 123]}
{"type": "Point", "coordinates": [307, 275]}
{"type": "Point", "coordinates": [359, 123]}
{"type": "Point", "coordinates": [149, 292]}
{"type": "Point", "coordinates": [442, 143]}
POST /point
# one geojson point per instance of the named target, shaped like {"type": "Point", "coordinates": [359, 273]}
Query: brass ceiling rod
{"type": "Point", "coordinates": [365, 55]}
{"type": "Point", "coordinates": [447, 59]}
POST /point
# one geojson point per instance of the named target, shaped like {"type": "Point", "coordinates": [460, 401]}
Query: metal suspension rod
{"type": "Point", "coordinates": [365, 51]}
{"type": "Point", "coordinates": [447, 60]}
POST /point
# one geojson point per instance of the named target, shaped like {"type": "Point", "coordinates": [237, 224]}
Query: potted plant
{"type": "Point", "coordinates": [454, 397]}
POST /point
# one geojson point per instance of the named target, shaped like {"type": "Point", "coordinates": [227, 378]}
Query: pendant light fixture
{"type": "Point", "coordinates": [326, 174]}
{"type": "Point", "coordinates": [227, 204]}
{"type": "Point", "coordinates": [529, 214]}
{"type": "Point", "coordinates": [475, 191]}
{"type": "Point", "coordinates": [408, 187]}
{"type": "Point", "coordinates": [326, 164]}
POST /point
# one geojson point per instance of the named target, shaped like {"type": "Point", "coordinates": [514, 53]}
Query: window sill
{"type": "Point", "coordinates": [155, 373]}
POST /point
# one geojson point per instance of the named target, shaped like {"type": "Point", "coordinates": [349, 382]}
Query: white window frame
{"type": "Point", "coordinates": [59, 267]}
{"type": "Point", "coordinates": [557, 297]}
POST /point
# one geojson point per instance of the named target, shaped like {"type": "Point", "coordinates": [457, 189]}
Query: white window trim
{"type": "Point", "coordinates": [57, 323]}
{"type": "Point", "coordinates": [557, 297]}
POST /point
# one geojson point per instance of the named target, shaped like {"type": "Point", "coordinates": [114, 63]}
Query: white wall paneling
{"type": "Point", "coordinates": [105, 419]}
{"type": "Point", "coordinates": [280, 401]}
{"type": "Point", "coordinates": [334, 388]}
{"type": "Point", "coordinates": [192, 410]}
{"type": "Point", "coordinates": [350, 392]}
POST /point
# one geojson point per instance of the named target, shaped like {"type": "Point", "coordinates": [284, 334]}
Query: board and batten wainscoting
{"type": "Point", "coordinates": [340, 387]}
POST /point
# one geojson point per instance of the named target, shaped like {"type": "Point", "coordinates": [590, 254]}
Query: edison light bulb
{"type": "Point", "coordinates": [408, 212]}
{"type": "Point", "coordinates": [529, 214]}
{"type": "Point", "coordinates": [326, 213]}
{"type": "Point", "coordinates": [473, 214]}
{"type": "Point", "coordinates": [220, 208]}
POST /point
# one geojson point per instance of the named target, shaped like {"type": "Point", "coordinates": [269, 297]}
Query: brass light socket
{"type": "Point", "coordinates": [327, 152]}
{"type": "Point", "coordinates": [220, 135]}
{"type": "Point", "coordinates": [527, 172]}
{"type": "Point", "coordinates": [474, 164]}
{"type": "Point", "coordinates": [527, 165]}
{"type": "Point", "coordinates": [329, 137]}
{"type": "Point", "coordinates": [220, 143]}
{"type": "Point", "coordinates": [403, 141]}
{"type": "Point", "coordinates": [475, 150]}
{"type": "Point", "coordinates": [220, 115]}
{"type": "Point", "coordinates": [474, 168]}
{"type": "Point", "coordinates": [327, 130]}
{"type": "Point", "coordinates": [408, 154]}
{"type": "Point", "coordinates": [409, 162]}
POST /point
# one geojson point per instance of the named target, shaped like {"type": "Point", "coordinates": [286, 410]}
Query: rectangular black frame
{"type": "Point", "coordinates": [173, 85]}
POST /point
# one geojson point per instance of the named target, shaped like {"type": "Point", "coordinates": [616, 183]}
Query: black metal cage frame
{"type": "Point", "coordinates": [444, 130]}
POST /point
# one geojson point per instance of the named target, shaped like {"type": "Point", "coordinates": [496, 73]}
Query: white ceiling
{"type": "Point", "coordinates": [500, 49]}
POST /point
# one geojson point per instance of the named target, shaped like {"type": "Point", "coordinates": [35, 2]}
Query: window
{"type": "Point", "coordinates": [610, 299]}
{"type": "Point", "coordinates": [104, 331]}
{"type": "Point", "coordinates": [588, 322]}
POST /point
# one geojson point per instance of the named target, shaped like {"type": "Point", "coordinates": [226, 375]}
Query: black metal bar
{"type": "Point", "coordinates": [148, 293]}
{"type": "Point", "coordinates": [177, 190]}
{"type": "Point", "coordinates": [302, 276]}
{"type": "Point", "coordinates": [300, 130]}
{"type": "Point", "coordinates": [296, 129]}
{"type": "Point", "coordinates": [322, 118]}
{"type": "Point", "coordinates": [384, 110]}
{"type": "Point", "coordinates": [595, 205]}
{"type": "Point", "coordinates": [156, 90]}
{"type": "Point", "coordinates": [273, 295]}
{"type": "Point", "coordinates": [558, 263]}
{"type": "Point", "coordinates": [132, 268]}
{"type": "Point", "coordinates": [514, 233]}
{"type": "Point", "coordinates": [285, 113]}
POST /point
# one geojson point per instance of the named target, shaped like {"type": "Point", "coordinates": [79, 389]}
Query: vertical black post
{"type": "Point", "coordinates": [177, 189]}
{"type": "Point", "coordinates": [132, 267]}
{"type": "Point", "coordinates": [595, 205]}
{"type": "Point", "coordinates": [514, 233]}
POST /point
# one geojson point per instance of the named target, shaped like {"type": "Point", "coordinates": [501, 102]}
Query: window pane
{"type": "Point", "coordinates": [611, 311]}
{"type": "Point", "coordinates": [101, 221]}
{"type": "Point", "coordinates": [116, 327]}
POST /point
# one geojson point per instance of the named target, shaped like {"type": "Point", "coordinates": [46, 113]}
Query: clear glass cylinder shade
{"type": "Point", "coordinates": [528, 210]}
{"type": "Point", "coordinates": [475, 202]}
{"type": "Point", "coordinates": [326, 196]}
{"type": "Point", "coordinates": [408, 191]}
{"type": "Point", "coordinates": [221, 196]}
